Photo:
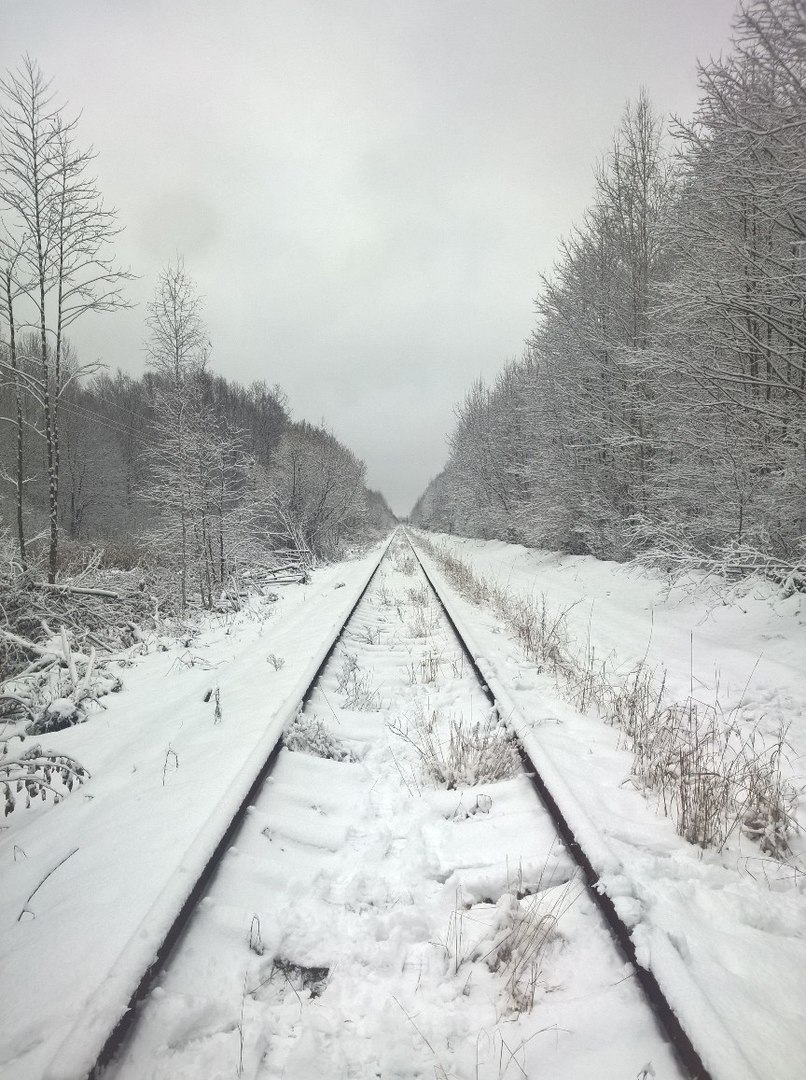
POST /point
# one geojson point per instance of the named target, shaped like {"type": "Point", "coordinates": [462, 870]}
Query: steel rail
{"type": "Point", "coordinates": [117, 1035]}
{"type": "Point", "coordinates": [685, 1051]}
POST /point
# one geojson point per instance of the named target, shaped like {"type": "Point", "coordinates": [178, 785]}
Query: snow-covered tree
{"type": "Point", "coordinates": [317, 491]}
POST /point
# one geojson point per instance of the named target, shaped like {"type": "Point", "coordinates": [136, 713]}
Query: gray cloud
{"type": "Point", "coordinates": [366, 191]}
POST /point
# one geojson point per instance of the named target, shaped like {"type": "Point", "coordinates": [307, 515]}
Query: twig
{"type": "Point", "coordinates": [240, 1029]}
{"type": "Point", "coordinates": [170, 752]}
{"type": "Point", "coordinates": [68, 656]}
{"type": "Point", "coordinates": [41, 883]}
{"type": "Point", "coordinates": [21, 702]}
{"type": "Point", "coordinates": [408, 1017]}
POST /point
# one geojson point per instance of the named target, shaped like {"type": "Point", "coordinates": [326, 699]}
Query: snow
{"type": "Point", "coordinates": [724, 932]}
{"type": "Point", "coordinates": [62, 707]}
{"type": "Point", "coordinates": [367, 921]}
{"type": "Point", "coordinates": [163, 775]}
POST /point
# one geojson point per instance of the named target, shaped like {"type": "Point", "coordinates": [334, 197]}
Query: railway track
{"type": "Point", "coordinates": [400, 896]}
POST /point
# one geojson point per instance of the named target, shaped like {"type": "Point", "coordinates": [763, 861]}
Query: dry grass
{"type": "Point", "coordinates": [355, 686]}
{"type": "Point", "coordinates": [403, 560]}
{"type": "Point", "coordinates": [526, 930]}
{"type": "Point", "coordinates": [366, 635]}
{"type": "Point", "coordinates": [710, 774]}
{"type": "Point", "coordinates": [454, 752]}
{"type": "Point", "coordinates": [424, 623]}
{"type": "Point", "coordinates": [382, 594]}
{"type": "Point", "coordinates": [426, 670]}
{"type": "Point", "coordinates": [512, 940]}
{"type": "Point", "coordinates": [419, 595]}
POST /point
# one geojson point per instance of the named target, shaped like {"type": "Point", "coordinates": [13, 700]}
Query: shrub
{"type": "Point", "coordinates": [36, 773]}
{"type": "Point", "coordinates": [308, 735]}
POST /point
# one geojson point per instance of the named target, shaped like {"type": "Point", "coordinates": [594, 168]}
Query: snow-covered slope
{"type": "Point", "coordinates": [163, 772]}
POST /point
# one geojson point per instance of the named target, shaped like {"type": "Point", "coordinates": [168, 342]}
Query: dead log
{"type": "Point", "coordinates": [78, 590]}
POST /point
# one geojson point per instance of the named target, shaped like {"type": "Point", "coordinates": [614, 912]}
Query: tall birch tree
{"type": "Point", "coordinates": [63, 234]}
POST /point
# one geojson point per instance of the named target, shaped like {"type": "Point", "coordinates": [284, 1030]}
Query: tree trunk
{"type": "Point", "coordinates": [18, 405]}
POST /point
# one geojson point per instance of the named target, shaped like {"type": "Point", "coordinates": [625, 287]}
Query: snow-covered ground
{"type": "Point", "coordinates": [369, 922]}
{"type": "Point", "coordinates": [163, 772]}
{"type": "Point", "coordinates": [753, 648]}
{"type": "Point", "coordinates": [733, 921]}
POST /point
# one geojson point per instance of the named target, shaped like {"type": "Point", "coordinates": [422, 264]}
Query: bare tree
{"type": "Point", "coordinates": [64, 268]}
{"type": "Point", "coordinates": [10, 251]}
{"type": "Point", "coordinates": [317, 490]}
{"type": "Point", "coordinates": [177, 349]}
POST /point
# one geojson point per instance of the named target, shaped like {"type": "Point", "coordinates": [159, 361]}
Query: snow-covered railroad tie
{"type": "Point", "coordinates": [397, 902]}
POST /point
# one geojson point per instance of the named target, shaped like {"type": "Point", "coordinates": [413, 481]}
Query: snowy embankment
{"type": "Point", "coordinates": [734, 920]}
{"type": "Point", "coordinates": [165, 771]}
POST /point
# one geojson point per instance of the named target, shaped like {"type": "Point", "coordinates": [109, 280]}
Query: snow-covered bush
{"type": "Point", "coordinates": [60, 713]}
{"type": "Point", "coordinates": [308, 735]}
{"type": "Point", "coordinates": [16, 592]}
{"type": "Point", "coordinates": [36, 773]}
{"type": "Point", "coordinates": [54, 690]}
{"type": "Point", "coordinates": [729, 567]}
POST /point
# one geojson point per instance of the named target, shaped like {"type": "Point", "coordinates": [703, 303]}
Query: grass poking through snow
{"type": "Point", "coordinates": [712, 776]}
{"type": "Point", "coordinates": [456, 752]}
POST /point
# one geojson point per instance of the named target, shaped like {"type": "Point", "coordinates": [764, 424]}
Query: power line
{"type": "Point", "coordinates": [104, 421]}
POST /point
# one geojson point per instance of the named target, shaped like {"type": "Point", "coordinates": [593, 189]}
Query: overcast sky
{"type": "Point", "coordinates": [365, 192]}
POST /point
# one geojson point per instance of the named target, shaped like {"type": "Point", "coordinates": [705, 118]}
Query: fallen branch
{"type": "Point", "coordinates": [31, 646]}
{"type": "Point", "coordinates": [77, 590]}
{"type": "Point", "coordinates": [41, 883]}
{"type": "Point", "coordinates": [19, 702]}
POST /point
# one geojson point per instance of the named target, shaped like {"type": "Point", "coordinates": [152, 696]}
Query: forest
{"type": "Point", "coordinates": [658, 410]}
{"type": "Point", "coordinates": [512, 787]}
{"type": "Point", "coordinates": [179, 472]}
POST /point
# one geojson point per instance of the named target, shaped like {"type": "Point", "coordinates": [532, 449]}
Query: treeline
{"type": "Point", "coordinates": [178, 467]}
{"type": "Point", "coordinates": [659, 406]}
